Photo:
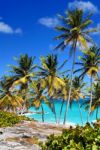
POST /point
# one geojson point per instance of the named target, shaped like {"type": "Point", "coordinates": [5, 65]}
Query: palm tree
{"type": "Point", "coordinates": [49, 77]}
{"type": "Point", "coordinates": [95, 100]}
{"type": "Point", "coordinates": [9, 101]}
{"type": "Point", "coordinates": [90, 64]}
{"type": "Point", "coordinates": [23, 73]}
{"type": "Point", "coordinates": [74, 31]}
{"type": "Point", "coordinates": [63, 94]}
{"type": "Point", "coordinates": [76, 93]}
{"type": "Point", "coordinates": [78, 85]}
{"type": "Point", "coordinates": [37, 96]}
{"type": "Point", "coordinates": [49, 74]}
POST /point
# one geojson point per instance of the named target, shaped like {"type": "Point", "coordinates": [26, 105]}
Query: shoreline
{"type": "Point", "coordinates": [50, 123]}
{"type": "Point", "coordinates": [68, 124]}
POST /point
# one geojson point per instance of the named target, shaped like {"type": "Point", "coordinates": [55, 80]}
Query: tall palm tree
{"type": "Point", "coordinates": [9, 101]}
{"type": "Point", "coordinates": [90, 64]}
{"type": "Point", "coordinates": [49, 76]}
{"type": "Point", "coordinates": [75, 31]}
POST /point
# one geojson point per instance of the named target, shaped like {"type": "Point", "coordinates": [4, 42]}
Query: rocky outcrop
{"type": "Point", "coordinates": [27, 135]}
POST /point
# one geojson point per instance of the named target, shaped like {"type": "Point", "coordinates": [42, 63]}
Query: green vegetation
{"type": "Point", "coordinates": [80, 138]}
{"type": "Point", "coordinates": [90, 63]}
{"type": "Point", "coordinates": [24, 86]}
{"type": "Point", "coordinates": [74, 31]}
{"type": "Point", "coordinates": [28, 84]}
{"type": "Point", "coordinates": [9, 119]}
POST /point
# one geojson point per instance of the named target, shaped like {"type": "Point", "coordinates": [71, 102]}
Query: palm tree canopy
{"type": "Point", "coordinates": [5, 84]}
{"type": "Point", "coordinates": [96, 96]}
{"type": "Point", "coordinates": [9, 100]}
{"type": "Point", "coordinates": [24, 71]}
{"type": "Point", "coordinates": [48, 73]}
{"type": "Point", "coordinates": [78, 83]}
{"type": "Point", "coordinates": [63, 92]}
{"type": "Point", "coordinates": [77, 88]}
{"type": "Point", "coordinates": [90, 62]}
{"type": "Point", "coordinates": [74, 29]}
{"type": "Point", "coordinates": [37, 95]}
{"type": "Point", "coordinates": [95, 99]}
{"type": "Point", "coordinates": [25, 65]}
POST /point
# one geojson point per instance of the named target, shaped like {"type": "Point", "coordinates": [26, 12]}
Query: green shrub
{"type": "Point", "coordinates": [80, 138]}
{"type": "Point", "coordinates": [98, 120]}
{"type": "Point", "coordinates": [9, 119]}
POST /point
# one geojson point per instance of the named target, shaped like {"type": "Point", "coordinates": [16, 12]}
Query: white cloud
{"type": "Point", "coordinates": [86, 6]}
{"type": "Point", "coordinates": [98, 28]}
{"type": "Point", "coordinates": [18, 31]}
{"type": "Point", "coordinates": [49, 22]}
{"type": "Point", "coordinates": [7, 29]}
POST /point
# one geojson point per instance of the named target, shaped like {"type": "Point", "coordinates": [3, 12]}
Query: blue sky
{"type": "Point", "coordinates": [26, 26]}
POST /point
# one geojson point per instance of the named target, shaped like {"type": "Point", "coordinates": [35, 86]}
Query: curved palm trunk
{"type": "Point", "coordinates": [61, 111]}
{"type": "Point", "coordinates": [70, 89]}
{"type": "Point", "coordinates": [80, 112]}
{"type": "Point", "coordinates": [42, 113]}
{"type": "Point", "coordinates": [91, 94]}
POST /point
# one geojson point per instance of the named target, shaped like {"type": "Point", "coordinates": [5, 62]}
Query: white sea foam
{"type": "Point", "coordinates": [32, 113]}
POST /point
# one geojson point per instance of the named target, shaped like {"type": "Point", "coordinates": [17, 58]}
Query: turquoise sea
{"type": "Point", "coordinates": [73, 115]}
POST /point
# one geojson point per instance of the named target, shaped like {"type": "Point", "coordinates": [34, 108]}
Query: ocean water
{"type": "Point", "coordinates": [73, 116]}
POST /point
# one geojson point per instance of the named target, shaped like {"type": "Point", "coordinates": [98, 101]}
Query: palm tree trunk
{"type": "Point", "coordinates": [42, 113]}
{"type": "Point", "coordinates": [80, 112]}
{"type": "Point", "coordinates": [70, 89]}
{"type": "Point", "coordinates": [97, 113]}
{"type": "Point", "coordinates": [23, 91]}
{"type": "Point", "coordinates": [61, 111]}
{"type": "Point", "coordinates": [54, 110]}
{"type": "Point", "coordinates": [91, 86]}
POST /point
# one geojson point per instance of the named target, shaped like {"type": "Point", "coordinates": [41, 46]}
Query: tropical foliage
{"type": "Point", "coordinates": [74, 32]}
{"type": "Point", "coordinates": [80, 138]}
{"type": "Point", "coordinates": [23, 73]}
{"type": "Point", "coordinates": [9, 101]}
{"type": "Point", "coordinates": [49, 74]}
{"type": "Point", "coordinates": [90, 65]}
{"type": "Point", "coordinates": [95, 99]}
{"type": "Point", "coordinates": [37, 97]}
{"type": "Point", "coordinates": [28, 84]}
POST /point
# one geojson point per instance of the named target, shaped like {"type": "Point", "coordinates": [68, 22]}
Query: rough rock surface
{"type": "Point", "coordinates": [24, 136]}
